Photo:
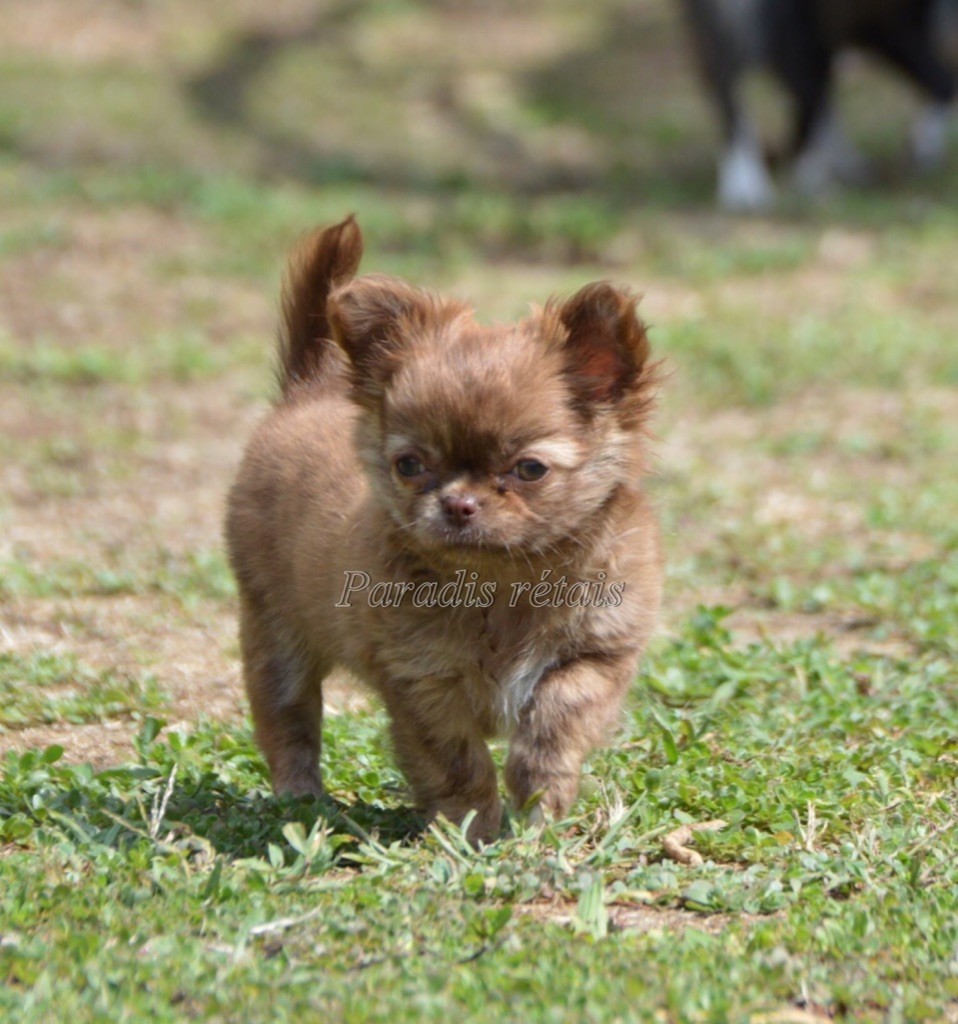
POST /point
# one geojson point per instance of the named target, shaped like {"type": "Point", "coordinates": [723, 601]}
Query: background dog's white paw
{"type": "Point", "coordinates": [929, 136]}
{"type": "Point", "coordinates": [744, 183]}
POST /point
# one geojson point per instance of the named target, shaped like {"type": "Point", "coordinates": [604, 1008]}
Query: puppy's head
{"type": "Point", "coordinates": [494, 442]}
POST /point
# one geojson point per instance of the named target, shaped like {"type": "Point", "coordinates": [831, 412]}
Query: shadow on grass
{"type": "Point", "coordinates": [178, 800]}
{"type": "Point", "coordinates": [241, 824]}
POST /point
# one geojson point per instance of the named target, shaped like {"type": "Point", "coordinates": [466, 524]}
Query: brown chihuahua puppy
{"type": "Point", "coordinates": [452, 512]}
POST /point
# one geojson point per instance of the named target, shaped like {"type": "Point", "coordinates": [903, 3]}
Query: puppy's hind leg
{"type": "Point", "coordinates": [286, 698]}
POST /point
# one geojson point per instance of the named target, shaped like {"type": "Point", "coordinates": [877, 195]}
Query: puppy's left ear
{"type": "Point", "coordinates": [606, 346]}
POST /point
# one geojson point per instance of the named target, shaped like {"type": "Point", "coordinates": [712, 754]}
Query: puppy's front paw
{"type": "Point", "coordinates": [543, 793]}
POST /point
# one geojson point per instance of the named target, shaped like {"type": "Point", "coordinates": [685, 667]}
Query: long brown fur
{"type": "Point", "coordinates": [421, 449]}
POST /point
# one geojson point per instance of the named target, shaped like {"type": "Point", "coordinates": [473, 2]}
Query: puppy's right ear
{"type": "Point", "coordinates": [375, 318]}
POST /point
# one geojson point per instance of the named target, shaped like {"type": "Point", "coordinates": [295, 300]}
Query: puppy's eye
{"type": "Point", "coordinates": [530, 470]}
{"type": "Point", "coordinates": [409, 466]}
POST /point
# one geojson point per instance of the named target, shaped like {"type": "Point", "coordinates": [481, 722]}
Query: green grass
{"type": "Point", "coordinates": [917, 603]}
{"type": "Point", "coordinates": [743, 360]}
{"type": "Point", "coordinates": [201, 895]}
{"type": "Point", "coordinates": [188, 579]}
{"type": "Point", "coordinates": [179, 358]}
{"type": "Point", "coordinates": [156, 161]}
{"type": "Point", "coordinates": [50, 687]}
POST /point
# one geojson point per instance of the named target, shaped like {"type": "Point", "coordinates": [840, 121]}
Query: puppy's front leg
{"type": "Point", "coordinates": [572, 710]}
{"type": "Point", "coordinates": [441, 750]}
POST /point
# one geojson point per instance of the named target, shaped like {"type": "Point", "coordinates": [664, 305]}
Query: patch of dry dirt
{"type": "Point", "coordinates": [858, 446]}
{"type": "Point", "coordinates": [84, 31]}
{"type": "Point", "coordinates": [107, 280]}
{"type": "Point", "coordinates": [91, 32]}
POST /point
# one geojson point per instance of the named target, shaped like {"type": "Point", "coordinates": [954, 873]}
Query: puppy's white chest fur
{"type": "Point", "coordinates": [506, 666]}
{"type": "Point", "coordinates": [514, 689]}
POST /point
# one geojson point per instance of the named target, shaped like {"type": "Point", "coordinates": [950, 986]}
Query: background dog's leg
{"type": "Point", "coordinates": [929, 135]}
{"type": "Point", "coordinates": [829, 158]}
{"type": "Point", "coordinates": [911, 47]}
{"type": "Point", "coordinates": [726, 44]}
{"type": "Point", "coordinates": [802, 61]}
{"type": "Point", "coordinates": [744, 182]}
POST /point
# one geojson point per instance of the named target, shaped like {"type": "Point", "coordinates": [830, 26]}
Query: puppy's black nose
{"type": "Point", "coordinates": [459, 508]}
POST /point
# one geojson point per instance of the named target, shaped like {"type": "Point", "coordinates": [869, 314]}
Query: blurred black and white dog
{"type": "Point", "coordinates": [798, 41]}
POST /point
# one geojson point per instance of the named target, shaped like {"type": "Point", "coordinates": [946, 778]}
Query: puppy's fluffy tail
{"type": "Point", "coordinates": [325, 258]}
